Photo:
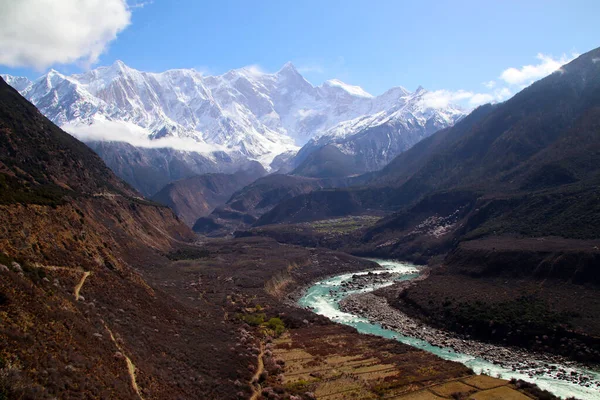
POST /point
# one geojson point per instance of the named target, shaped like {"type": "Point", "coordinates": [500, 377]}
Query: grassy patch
{"type": "Point", "coordinates": [274, 326]}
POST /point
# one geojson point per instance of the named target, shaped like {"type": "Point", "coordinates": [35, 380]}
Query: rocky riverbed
{"type": "Point", "coordinates": [377, 310]}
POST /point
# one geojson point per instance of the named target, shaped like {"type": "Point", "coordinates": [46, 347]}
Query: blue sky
{"type": "Point", "coordinates": [377, 44]}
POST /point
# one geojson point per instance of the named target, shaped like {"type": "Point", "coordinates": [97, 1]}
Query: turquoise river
{"type": "Point", "coordinates": [324, 296]}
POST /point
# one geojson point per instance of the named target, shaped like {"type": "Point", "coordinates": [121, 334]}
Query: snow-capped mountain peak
{"type": "Point", "coordinates": [246, 111]}
{"type": "Point", "coordinates": [288, 68]}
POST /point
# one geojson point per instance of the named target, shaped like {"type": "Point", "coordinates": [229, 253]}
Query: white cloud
{"type": "Point", "coordinates": [254, 69]}
{"type": "Point", "coordinates": [502, 94]}
{"type": "Point", "coordinates": [481, 98]}
{"type": "Point", "coordinates": [40, 33]}
{"type": "Point", "coordinates": [511, 81]}
{"type": "Point", "coordinates": [529, 73]}
{"type": "Point", "coordinates": [120, 131]}
{"type": "Point", "coordinates": [442, 98]}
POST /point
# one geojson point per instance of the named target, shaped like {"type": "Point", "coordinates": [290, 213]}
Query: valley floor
{"type": "Point", "coordinates": [198, 322]}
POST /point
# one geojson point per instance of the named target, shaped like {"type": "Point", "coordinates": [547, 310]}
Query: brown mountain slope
{"type": "Point", "coordinates": [247, 204]}
{"type": "Point", "coordinates": [198, 196]}
{"type": "Point", "coordinates": [63, 216]}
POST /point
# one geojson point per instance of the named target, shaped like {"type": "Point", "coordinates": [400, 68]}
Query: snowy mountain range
{"type": "Point", "coordinates": [257, 114]}
{"type": "Point", "coordinates": [373, 140]}
{"type": "Point", "coordinates": [244, 114]}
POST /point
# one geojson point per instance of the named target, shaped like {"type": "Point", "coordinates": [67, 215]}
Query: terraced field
{"type": "Point", "coordinates": [335, 364]}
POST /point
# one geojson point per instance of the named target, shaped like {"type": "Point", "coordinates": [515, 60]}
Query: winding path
{"type": "Point", "coordinates": [130, 364]}
{"type": "Point", "coordinates": [80, 284]}
{"type": "Point", "coordinates": [259, 370]}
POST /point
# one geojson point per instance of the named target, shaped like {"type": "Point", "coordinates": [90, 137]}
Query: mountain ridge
{"type": "Point", "coordinates": [257, 114]}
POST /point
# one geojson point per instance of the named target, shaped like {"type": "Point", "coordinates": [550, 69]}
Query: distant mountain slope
{"type": "Point", "coordinates": [544, 136]}
{"type": "Point", "coordinates": [198, 196]}
{"type": "Point", "coordinates": [249, 203]}
{"type": "Point", "coordinates": [529, 165]}
{"type": "Point", "coordinates": [150, 169]}
{"type": "Point", "coordinates": [328, 162]}
{"type": "Point", "coordinates": [372, 141]}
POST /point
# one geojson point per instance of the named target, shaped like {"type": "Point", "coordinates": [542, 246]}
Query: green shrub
{"type": "Point", "coordinates": [276, 325]}
{"type": "Point", "coordinates": [253, 319]}
{"type": "Point", "coordinates": [300, 386]}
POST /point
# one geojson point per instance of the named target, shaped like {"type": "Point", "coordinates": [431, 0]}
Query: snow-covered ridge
{"type": "Point", "coordinates": [353, 90]}
{"type": "Point", "coordinates": [244, 111]}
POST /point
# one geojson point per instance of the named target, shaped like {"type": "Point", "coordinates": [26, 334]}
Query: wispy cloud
{"type": "Point", "coordinates": [121, 131]}
{"type": "Point", "coordinates": [40, 33]}
{"type": "Point", "coordinates": [254, 69]}
{"type": "Point", "coordinates": [444, 98]}
{"type": "Point", "coordinates": [510, 81]}
{"type": "Point", "coordinates": [203, 70]}
{"type": "Point", "coordinates": [527, 74]}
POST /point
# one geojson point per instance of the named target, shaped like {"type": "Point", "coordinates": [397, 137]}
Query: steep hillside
{"type": "Point", "coordinates": [150, 169]}
{"type": "Point", "coordinates": [198, 196]}
{"type": "Point", "coordinates": [71, 238]}
{"type": "Point", "coordinates": [248, 204]}
{"type": "Point", "coordinates": [328, 162]}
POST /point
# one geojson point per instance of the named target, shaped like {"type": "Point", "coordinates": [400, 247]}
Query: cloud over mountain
{"type": "Point", "coordinates": [41, 33]}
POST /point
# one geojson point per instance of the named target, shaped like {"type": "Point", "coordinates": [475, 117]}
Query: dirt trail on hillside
{"type": "Point", "coordinates": [130, 364]}
{"type": "Point", "coordinates": [256, 389]}
{"type": "Point", "coordinates": [80, 284]}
